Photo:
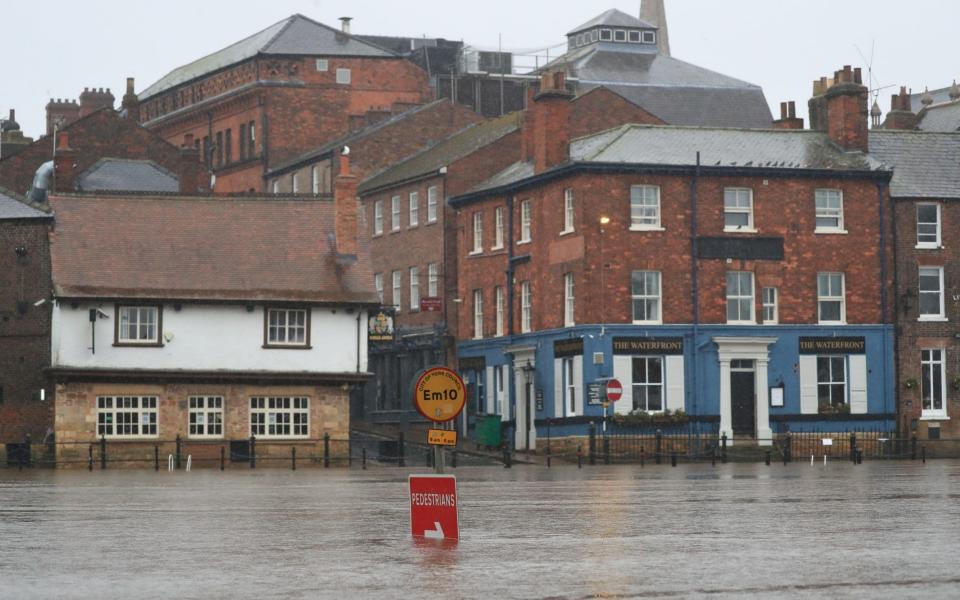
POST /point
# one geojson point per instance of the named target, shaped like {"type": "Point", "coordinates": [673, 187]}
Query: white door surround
{"type": "Point", "coordinates": [756, 349]}
{"type": "Point", "coordinates": [524, 370]}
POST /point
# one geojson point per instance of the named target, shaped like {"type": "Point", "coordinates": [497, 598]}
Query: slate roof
{"type": "Point", "coordinates": [295, 35]}
{"type": "Point", "coordinates": [455, 147]}
{"type": "Point", "coordinates": [940, 117]}
{"type": "Point", "coordinates": [925, 165]}
{"type": "Point", "coordinates": [13, 206]}
{"type": "Point", "coordinates": [939, 95]}
{"type": "Point", "coordinates": [124, 175]}
{"type": "Point", "coordinates": [189, 248]}
{"type": "Point", "coordinates": [612, 18]}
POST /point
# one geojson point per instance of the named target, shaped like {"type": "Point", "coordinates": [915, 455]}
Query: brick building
{"type": "Point", "coordinates": [275, 95]}
{"type": "Point", "coordinates": [924, 193]}
{"type": "Point", "coordinates": [24, 319]}
{"type": "Point", "coordinates": [741, 276]}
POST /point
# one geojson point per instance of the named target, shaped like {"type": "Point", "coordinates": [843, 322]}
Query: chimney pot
{"type": "Point", "coordinates": [792, 109]}
{"type": "Point", "coordinates": [858, 75]}
{"type": "Point", "coordinates": [129, 85]}
{"type": "Point", "coordinates": [63, 140]}
{"type": "Point", "coordinates": [12, 113]}
{"type": "Point", "coordinates": [345, 24]}
{"type": "Point", "coordinates": [783, 110]}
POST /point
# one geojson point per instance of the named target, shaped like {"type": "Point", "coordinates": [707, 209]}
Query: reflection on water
{"type": "Point", "coordinates": [884, 529]}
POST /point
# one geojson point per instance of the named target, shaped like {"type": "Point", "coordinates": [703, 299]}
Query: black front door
{"type": "Point", "coordinates": [743, 402]}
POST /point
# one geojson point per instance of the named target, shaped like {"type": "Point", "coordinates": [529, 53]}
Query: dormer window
{"type": "Point", "coordinates": [593, 35]}
{"type": "Point", "coordinates": [634, 37]}
{"type": "Point", "coordinates": [606, 35]}
{"type": "Point", "coordinates": [649, 37]}
{"type": "Point", "coordinates": [619, 35]}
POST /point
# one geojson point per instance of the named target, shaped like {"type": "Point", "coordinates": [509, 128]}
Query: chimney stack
{"type": "Point", "coordinates": [839, 107]}
{"type": "Point", "coordinates": [63, 163]}
{"type": "Point", "coordinates": [61, 113]}
{"type": "Point", "coordinates": [345, 24]}
{"type": "Point", "coordinates": [788, 117]}
{"type": "Point", "coordinates": [345, 207]}
{"type": "Point", "coordinates": [901, 114]}
{"type": "Point", "coordinates": [130, 103]}
{"type": "Point", "coordinates": [94, 99]}
{"type": "Point", "coordinates": [548, 121]}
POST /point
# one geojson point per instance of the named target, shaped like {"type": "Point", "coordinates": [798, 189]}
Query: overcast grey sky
{"type": "Point", "coordinates": [55, 48]}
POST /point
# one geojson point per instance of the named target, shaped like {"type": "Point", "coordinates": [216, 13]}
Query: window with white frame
{"type": "Point", "coordinates": [737, 209]}
{"type": "Point", "coordinates": [928, 225]}
{"type": "Point", "coordinates": [768, 298]}
{"type": "Point", "coordinates": [396, 297]}
{"type": "Point", "coordinates": [275, 188]}
{"type": "Point", "coordinates": [477, 233]}
{"type": "Point", "coordinates": [645, 290]}
{"type": "Point", "coordinates": [567, 210]}
{"type": "Point", "coordinates": [280, 417]}
{"type": "Point", "coordinates": [343, 76]}
{"type": "Point", "coordinates": [138, 325]}
{"type": "Point", "coordinates": [295, 183]}
{"type": "Point", "coordinates": [568, 300]}
{"type": "Point", "coordinates": [323, 64]}
{"type": "Point", "coordinates": [498, 299]}
{"type": "Point", "coordinates": [497, 228]}
{"type": "Point", "coordinates": [414, 199]}
{"type": "Point", "coordinates": [569, 387]}
{"type": "Point", "coordinates": [395, 213]}
{"type": "Point", "coordinates": [931, 293]}
{"type": "Point", "coordinates": [378, 283]}
{"type": "Point", "coordinates": [414, 288]}
{"type": "Point", "coordinates": [526, 218]}
{"type": "Point", "coordinates": [477, 314]}
{"type": "Point", "coordinates": [649, 37]}
{"type": "Point", "coordinates": [831, 381]}
{"type": "Point", "coordinates": [433, 279]}
{"type": "Point", "coordinates": [933, 382]}
{"type": "Point", "coordinates": [619, 35]}
{"type": "Point", "coordinates": [829, 204]}
{"type": "Point", "coordinates": [126, 416]}
{"type": "Point", "coordinates": [648, 383]}
{"type": "Point", "coordinates": [315, 180]}
{"type": "Point", "coordinates": [287, 327]}
{"type": "Point", "coordinates": [831, 304]}
{"type": "Point", "coordinates": [526, 298]}
{"type": "Point", "coordinates": [432, 194]}
{"type": "Point", "coordinates": [740, 303]}
{"type": "Point", "coordinates": [606, 35]}
{"type": "Point", "coordinates": [205, 416]}
{"type": "Point", "coordinates": [644, 207]}
{"type": "Point", "coordinates": [634, 36]}
{"type": "Point", "coordinates": [378, 217]}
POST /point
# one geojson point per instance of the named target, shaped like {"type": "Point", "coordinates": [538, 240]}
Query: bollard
{"type": "Point", "coordinates": [349, 451]}
{"type": "Point", "coordinates": [26, 453]}
{"type": "Point", "coordinates": [593, 443]}
{"type": "Point", "coordinates": [90, 457]}
{"type": "Point", "coordinates": [913, 447]}
{"type": "Point", "coordinates": [453, 459]}
{"type": "Point", "coordinates": [293, 458]}
{"type": "Point", "coordinates": [853, 448]}
{"type": "Point", "coordinates": [428, 458]}
{"type": "Point", "coordinates": [923, 454]}
{"type": "Point", "coordinates": [253, 452]}
{"type": "Point", "coordinates": [400, 460]}
{"type": "Point", "coordinates": [177, 453]}
{"type": "Point", "coordinates": [713, 456]}
{"type": "Point", "coordinates": [156, 457]}
{"type": "Point", "coordinates": [606, 450]}
{"type": "Point", "coordinates": [363, 455]}
{"type": "Point", "coordinates": [326, 450]}
{"type": "Point", "coordinates": [580, 456]}
{"type": "Point", "coordinates": [673, 459]}
{"type": "Point", "coordinates": [222, 456]}
{"type": "Point", "coordinates": [643, 455]}
{"type": "Point", "coordinates": [506, 458]}
{"type": "Point", "coordinates": [103, 452]}
{"type": "Point", "coordinates": [859, 456]}
{"type": "Point", "coordinates": [659, 447]}
{"type": "Point", "coordinates": [784, 457]}
{"type": "Point", "coordinates": [767, 460]}
{"type": "Point", "coordinates": [723, 448]}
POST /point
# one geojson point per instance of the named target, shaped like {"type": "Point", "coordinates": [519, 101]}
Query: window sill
{"type": "Point", "coordinates": [138, 344]}
{"type": "Point", "coordinates": [770, 323]}
{"type": "Point", "coordinates": [433, 222]}
{"type": "Point", "coordinates": [831, 322]}
{"type": "Point", "coordinates": [128, 438]}
{"type": "Point", "coordinates": [412, 226]}
{"type": "Point", "coordinates": [646, 228]}
{"type": "Point", "coordinates": [929, 246]}
{"type": "Point", "coordinates": [935, 417]}
{"type": "Point", "coordinates": [567, 231]}
{"type": "Point", "coordinates": [830, 231]}
{"type": "Point", "coordinates": [739, 230]}
{"type": "Point", "coordinates": [495, 248]}
{"type": "Point", "coordinates": [647, 322]}
{"type": "Point", "coordinates": [741, 322]}
{"type": "Point", "coordinates": [932, 319]}
{"type": "Point", "coordinates": [397, 230]}
{"type": "Point", "coordinates": [284, 347]}
{"type": "Point", "coordinates": [522, 242]}
{"type": "Point", "coordinates": [376, 235]}
{"type": "Point", "coordinates": [475, 253]}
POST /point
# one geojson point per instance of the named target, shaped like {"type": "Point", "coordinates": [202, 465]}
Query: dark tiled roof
{"type": "Point", "coordinates": [189, 248]}
{"type": "Point", "coordinates": [12, 206]}
{"type": "Point", "coordinates": [512, 174]}
{"type": "Point", "coordinates": [940, 117]}
{"type": "Point", "coordinates": [123, 175]}
{"type": "Point", "coordinates": [678, 146]}
{"type": "Point", "coordinates": [455, 147]}
{"type": "Point", "coordinates": [925, 165]}
{"type": "Point", "coordinates": [613, 18]}
{"type": "Point", "coordinates": [295, 35]}
{"type": "Point", "coordinates": [939, 95]}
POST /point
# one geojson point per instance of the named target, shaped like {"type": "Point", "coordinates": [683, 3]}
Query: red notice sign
{"type": "Point", "coordinates": [433, 507]}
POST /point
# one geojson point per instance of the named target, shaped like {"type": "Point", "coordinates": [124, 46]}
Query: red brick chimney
{"type": "Point", "coordinates": [788, 117]}
{"type": "Point", "coordinates": [92, 100]}
{"type": "Point", "coordinates": [839, 107]}
{"type": "Point", "coordinates": [345, 207]}
{"type": "Point", "coordinates": [901, 114]}
{"type": "Point", "coordinates": [64, 158]}
{"type": "Point", "coordinates": [193, 173]}
{"type": "Point", "coordinates": [546, 135]}
{"type": "Point", "coordinates": [130, 102]}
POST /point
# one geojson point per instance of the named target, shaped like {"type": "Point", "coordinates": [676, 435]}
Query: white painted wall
{"type": "Point", "coordinates": [209, 337]}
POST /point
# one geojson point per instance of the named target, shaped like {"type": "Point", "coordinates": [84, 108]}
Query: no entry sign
{"type": "Point", "coordinates": [433, 507]}
{"type": "Point", "coordinates": [614, 390]}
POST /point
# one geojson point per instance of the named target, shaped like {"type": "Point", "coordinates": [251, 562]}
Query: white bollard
{"type": "Point", "coordinates": [170, 462]}
{"type": "Point", "coordinates": [811, 460]}
{"type": "Point", "coordinates": [189, 461]}
{"type": "Point", "coordinates": [824, 460]}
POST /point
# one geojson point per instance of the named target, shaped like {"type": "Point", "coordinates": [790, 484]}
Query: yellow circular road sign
{"type": "Point", "coordinates": [439, 394]}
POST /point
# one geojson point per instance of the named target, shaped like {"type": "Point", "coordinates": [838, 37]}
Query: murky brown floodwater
{"type": "Point", "coordinates": [881, 529]}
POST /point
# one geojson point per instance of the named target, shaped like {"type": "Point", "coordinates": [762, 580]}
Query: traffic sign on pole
{"type": "Point", "coordinates": [614, 390]}
{"type": "Point", "coordinates": [439, 394]}
{"type": "Point", "coordinates": [433, 507]}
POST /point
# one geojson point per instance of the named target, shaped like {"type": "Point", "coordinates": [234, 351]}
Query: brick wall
{"type": "Point", "coordinates": [601, 109]}
{"type": "Point", "coordinates": [24, 330]}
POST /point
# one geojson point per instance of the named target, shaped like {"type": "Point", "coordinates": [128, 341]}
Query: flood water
{"type": "Point", "coordinates": [880, 529]}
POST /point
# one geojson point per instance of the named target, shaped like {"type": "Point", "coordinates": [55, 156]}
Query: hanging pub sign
{"type": "Point", "coordinates": [380, 327]}
{"type": "Point", "coordinates": [472, 363]}
{"type": "Point", "coordinates": [833, 345]}
{"type": "Point", "coordinates": [648, 345]}
{"type": "Point", "coordinates": [568, 347]}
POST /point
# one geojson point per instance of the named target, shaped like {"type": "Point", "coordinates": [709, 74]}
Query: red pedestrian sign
{"type": "Point", "coordinates": [433, 507]}
{"type": "Point", "coordinates": [614, 390]}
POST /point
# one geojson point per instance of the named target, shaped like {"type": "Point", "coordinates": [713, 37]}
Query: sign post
{"type": "Point", "coordinates": [439, 395]}
{"type": "Point", "coordinates": [614, 391]}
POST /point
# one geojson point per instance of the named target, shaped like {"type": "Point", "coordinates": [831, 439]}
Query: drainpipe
{"type": "Point", "coordinates": [510, 291]}
{"type": "Point", "coordinates": [359, 314]}
{"type": "Point", "coordinates": [695, 291]}
{"type": "Point", "coordinates": [884, 302]}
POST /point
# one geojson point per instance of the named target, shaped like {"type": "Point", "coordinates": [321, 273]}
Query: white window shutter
{"type": "Point", "coordinates": [505, 399]}
{"type": "Point", "coordinates": [623, 371]}
{"type": "Point", "coordinates": [808, 384]}
{"type": "Point", "coordinates": [858, 384]}
{"type": "Point", "coordinates": [558, 387]}
{"type": "Point", "coordinates": [675, 387]}
{"type": "Point", "coordinates": [489, 387]}
{"type": "Point", "coordinates": [578, 382]}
